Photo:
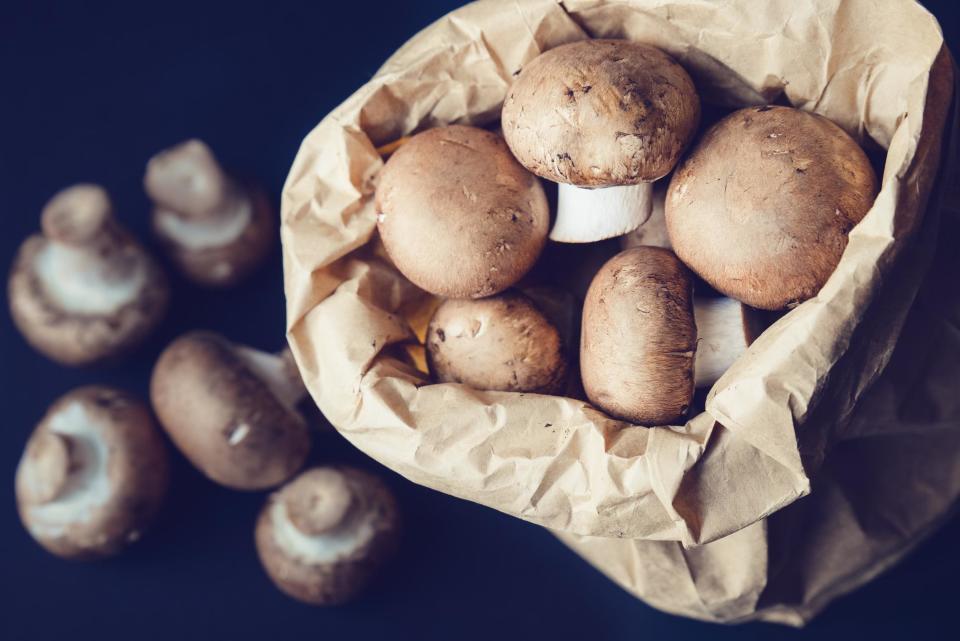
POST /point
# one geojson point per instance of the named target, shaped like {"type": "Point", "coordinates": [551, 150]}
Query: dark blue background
{"type": "Point", "coordinates": [89, 93]}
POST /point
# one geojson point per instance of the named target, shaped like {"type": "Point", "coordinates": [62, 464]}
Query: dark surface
{"type": "Point", "coordinates": [89, 94]}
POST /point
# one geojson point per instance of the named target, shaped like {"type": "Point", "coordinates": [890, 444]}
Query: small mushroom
{"type": "Point", "coordinates": [93, 474]}
{"type": "Point", "coordinates": [216, 229]}
{"type": "Point", "coordinates": [646, 344]}
{"type": "Point", "coordinates": [604, 119]}
{"type": "Point", "coordinates": [459, 216]}
{"type": "Point", "coordinates": [323, 536]}
{"type": "Point", "coordinates": [503, 343]}
{"type": "Point", "coordinates": [85, 291]}
{"type": "Point", "coordinates": [762, 207]}
{"type": "Point", "coordinates": [231, 410]}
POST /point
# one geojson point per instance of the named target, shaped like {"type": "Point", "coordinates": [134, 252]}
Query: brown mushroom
{"type": "Point", "coordinates": [93, 474]}
{"type": "Point", "coordinates": [503, 343]}
{"type": "Point", "coordinates": [604, 119]}
{"type": "Point", "coordinates": [324, 536]}
{"type": "Point", "coordinates": [216, 229]}
{"type": "Point", "coordinates": [231, 410]}
{"type": "Point", "coordinates": [458, 215]}
{"type": "Point", "coordinates": [762, 207]}
{"type": "Point", "coordinates": [646, 344]}
{"type": "Point", "coordinates": [85, 291]}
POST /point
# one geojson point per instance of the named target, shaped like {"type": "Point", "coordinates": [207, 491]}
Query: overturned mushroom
{"type": "Point", "coordinates": [458, 215]}
{"type": "Point", "coordinates": [216, 228]}
{"type": "Point", "coordinates": [503, 343]}
{"type": "Point", "coordinates": [231, 410]}
{"type": "Point", "coordinates": [93, 474]}
{"type": "Point", "coordinates": [604, 119]}
{"type": "Point", "coordinates": [762, 207]}
{"type": "Point", "coordinates": [85, 290]}
{"type": "Point", "coordinates": [323, 536]}
{"type": "Point", "coordinates": [646, 344]}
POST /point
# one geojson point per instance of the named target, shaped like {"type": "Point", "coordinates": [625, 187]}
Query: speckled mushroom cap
{"type": "Point", "coordinates": [459, 216]}
{"type": "Point", "coordinates": [85, 291]}
{"type": "Point", "coordinates": [638, 338]}
{"type": "Point", "coordinates": [503, 343]}
{"type": "Point", "coordinates": [93, 474]}
{"type": "Point", "coordinates": [761, 208]}
{"type": "Point", "coordinates": [224, 414]}
{"type": "Point", "coordinates": [601, 113]}
{"type": "Point", "coordinates": [323, 536]}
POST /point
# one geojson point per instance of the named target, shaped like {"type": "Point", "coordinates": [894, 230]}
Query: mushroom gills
{"type": "Point", "coordinates": [721, 337]}
{"type": "Point", "coordinates": [82, 281]}
{"type": "Point", "coordinates": [277, 371]}
{"type": "Point", "coordinates": [590, 215]}
{"type": "Point", "coordinates": [357, 529]}
{"type": "Point", "coordinates": [86, 486]}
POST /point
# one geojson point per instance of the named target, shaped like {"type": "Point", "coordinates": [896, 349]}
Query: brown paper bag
{"type": "Point", "coordinates": [676, 514]}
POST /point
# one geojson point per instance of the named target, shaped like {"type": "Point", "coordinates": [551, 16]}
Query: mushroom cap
{"type": "Point", "coordinates": [504, 343]}
{"type": "Point", "coordinates": [638, 337]}
{"type": "Point", "coordinates": [224, 417]}
{"type": "Point", "coordinates": [93, 474]}
{"type": "Point", "coordinates": [310, 553]}
{"type": "Point", "coordinates": [85, 291]}
{"type": "Point", "coordinates": [761, 208]}
{"type": "Point", "coordinates": [459, 216]}
{"type": "Point", "coordinates": [600, 113]}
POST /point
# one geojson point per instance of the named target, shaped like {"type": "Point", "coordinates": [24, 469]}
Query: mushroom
{"type": "Point", "coordinates": [503, 343]}
{"type": "Point", "coordinates": [762, 207]}
{"type": "Point", "coordinates": [459, 216]}
{"type": "Point", "coordinates": [84, 291]}
{"type": "Point", "coordinates": [231, 410]}
{"type": "Point", "coordinates": [604, 119]}
{"type": "Point", "coordinates": [323, 536]}
{"type": "Point", "coordinates": [652, 233]}
{"type": "Point", "coordinates": [93, 474]}
{"type": "Point", "coordinates": [646, 343]}
{"type": "Point", "coordinates": [216, 229]}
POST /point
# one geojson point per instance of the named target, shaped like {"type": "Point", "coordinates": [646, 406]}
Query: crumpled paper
{"type": "Point", "coordinates": [676, 514]}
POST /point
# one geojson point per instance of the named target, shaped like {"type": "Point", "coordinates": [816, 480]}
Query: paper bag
{"type": "Point", "coordinates": [774, 426]}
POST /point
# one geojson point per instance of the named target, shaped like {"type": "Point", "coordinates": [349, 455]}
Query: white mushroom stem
{"type": "Point", "coordinates": [278, 372]}
{"type": "Point", "coordinates": [721, 338]}
{"type": "Point", "coordinates": [652, 233]}
{"type": "Point", "coordinates": [199, 206]}
{"type": "Point", "coordinates": [69, 479]}
{"type": "Point", "coordinates": [590, 215]}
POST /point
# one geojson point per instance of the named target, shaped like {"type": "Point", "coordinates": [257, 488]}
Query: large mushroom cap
{"type": "Point", "coordinates": [459, 216]}
{"type": "Point", "coordinates": [504, 343]}
{"type": "Point", "coordinates": [85, 291]}
{"type": "Point", "coordinates": [229, 410]}
{"type": "Point", "coordinates": [93, 474]}
{"type": "Point", "coordinates": [762, 207]}
{"type": "Point", "coordinates": [322, 537]}
{"type": "Point", "coordinates": [638, 338]}
{"type": "Point", "coordinates": [601, 113]}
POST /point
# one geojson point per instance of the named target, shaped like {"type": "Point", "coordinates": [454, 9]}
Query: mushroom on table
{"type": "Point", "coordinates": [323, 536]}
{"type": "Point", "coordinates": [604, 119]}
{"type": "Point", "coordinates": [216, 228]}
{"type": "Point", "coordinates": [231, 410]}
{"type": "Point", "coordinates": [93, 474]}
{"type": "Point", "coordinates": [85, 291]}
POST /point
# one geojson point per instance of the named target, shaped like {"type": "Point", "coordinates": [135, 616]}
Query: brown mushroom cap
{"type": "Point", "coordinates": [224, 416]}
{"type": "Point", "coordinates": [762, 207]}
{"type": "Point", "coordinates": [323, 536]}
{"type": "Point", "coordinates": [216, 229]}
{"type": "Point", "coordinates": [600, 113]}
{"type": "Point", "coordinates": [459, 216]}
{"type": "Point", "coordinates": [85, 291]}
{"type": "Point", "coordinates": [504, 343]}
{"type": "Point", "coordinates": [638, 338]}
{"type": "Point", "coordinates": [93, 474]}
